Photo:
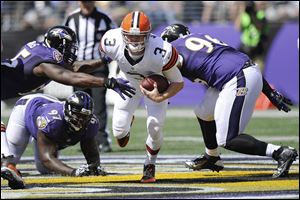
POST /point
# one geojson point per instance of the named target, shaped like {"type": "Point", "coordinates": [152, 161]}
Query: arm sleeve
{"type": "Point", "coordinates": [267, 89]}
{"type": "Point", "coordinates": [173, 75]}
{"type": "Point", "coordinates": [173, 61]}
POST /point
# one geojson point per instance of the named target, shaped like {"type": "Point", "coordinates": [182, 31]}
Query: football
{"type": "Point", "coordinates": [161, 81]}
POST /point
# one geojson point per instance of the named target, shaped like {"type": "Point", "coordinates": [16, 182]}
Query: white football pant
{"type": "Point", "coordinates": [124, 111]}
{"type": "Point", "coordinates": [232, 107]}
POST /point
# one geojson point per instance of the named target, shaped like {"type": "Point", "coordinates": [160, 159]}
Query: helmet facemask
{"type": "Point", "coordinates": [70, 52]}
{"type": "Point", "coordinates": [78, 111]}
{"type": "Point", "coordinates": [76, 119]}
{"type": "Point", "coordinates": [135, 43]}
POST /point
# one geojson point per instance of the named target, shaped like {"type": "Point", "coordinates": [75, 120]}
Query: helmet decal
{"type": "Point", "coordinates": [64, 40]}
{"type": "Point", "coordinates": [57, 56]}
{"type": "Point", "coordinates": [174, 31]}
{"type": "Point", "coordinates": [78, 111]}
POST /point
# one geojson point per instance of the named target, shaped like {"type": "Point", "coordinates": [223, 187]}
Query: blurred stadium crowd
{"type": "Point", "coordinates": [22, 15]}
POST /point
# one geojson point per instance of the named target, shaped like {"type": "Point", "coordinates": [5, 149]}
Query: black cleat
{"type": "Point", "coordinates": [285, 157]}
{"type": "Point", "coordinates": [206, 162]}
{"type": "Point", "coordinates": [148, 174]}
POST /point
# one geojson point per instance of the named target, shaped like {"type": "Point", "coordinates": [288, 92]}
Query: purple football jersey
{"type": "Point", "coordinates": [208, 60]}
{"type": "Point", "coordinates": [47, 115]}
{"type": "Point", "coordinates": [17, 77]}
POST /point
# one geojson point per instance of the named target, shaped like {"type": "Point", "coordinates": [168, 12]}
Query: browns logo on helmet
{"type": "Point", "coordinates": [136, 29]}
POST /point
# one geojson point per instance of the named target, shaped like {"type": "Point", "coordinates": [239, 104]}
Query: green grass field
{"type": "Point", "coordinates": [183, 136]}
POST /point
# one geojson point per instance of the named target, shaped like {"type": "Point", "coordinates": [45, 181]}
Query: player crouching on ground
{"type": "Point", "coordinates": [54, 125]}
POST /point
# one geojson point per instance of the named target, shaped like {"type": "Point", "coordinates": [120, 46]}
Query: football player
{"type": "Point", "coordinates": [233, 84]}
{"type": "Point", "coordinates": [138, 54]}
{"type": "Point", "coordinates": [54, 125]}
{"type": "Point", "coordinates": [37, 63]}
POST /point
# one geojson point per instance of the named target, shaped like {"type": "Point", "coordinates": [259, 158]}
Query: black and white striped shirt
{"type": "Point", "coordinates": [89, 31]}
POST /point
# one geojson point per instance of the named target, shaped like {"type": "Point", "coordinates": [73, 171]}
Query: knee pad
{"type": "Point", "coordinates": [155, 137]}
{"type": "Point", "coordinates": [119, 133]}
{"type": "Point", "coordinates": [154, 128]}
{"type": "Point", "coordinates": [203, 113]}
{"type": "Point", "coordinates": [121, 127]}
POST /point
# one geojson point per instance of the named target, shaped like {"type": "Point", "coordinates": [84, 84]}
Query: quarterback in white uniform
{"type": "Point", "coordinates": [138, 54]}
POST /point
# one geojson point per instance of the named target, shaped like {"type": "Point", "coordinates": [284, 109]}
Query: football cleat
{"type": "Point", "coordinates": [285, 157]}
{"type": "Point", "coordinates": [148, 174]}
{"type": "Point", "coordinates": [206, 162]}
{"type": "Point", "coordinates": [13, 176]}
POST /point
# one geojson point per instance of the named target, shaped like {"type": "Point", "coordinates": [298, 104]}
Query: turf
{"type": "Point", "coordinates": [183, 136]}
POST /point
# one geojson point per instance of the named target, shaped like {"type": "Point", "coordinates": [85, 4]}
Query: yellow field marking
{"type": "Point", "coordinates": [246, 186]}
{"type": "Point", "coordinates": [125, 178]}
{"type": "Point", "coordinates": [47, 185]}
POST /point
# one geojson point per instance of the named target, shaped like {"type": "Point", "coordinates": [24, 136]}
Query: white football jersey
{"type": "Point", "coordinates": [159, 55]}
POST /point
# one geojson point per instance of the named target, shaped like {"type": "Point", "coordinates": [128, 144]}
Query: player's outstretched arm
{"type": "Point", "coordinates": [47, 150]}
{"type": "Point", "coordinates": [277, 99]}
{"type": "Point", "coordinates": [67, 77]}
{"type": "Point", "coordinates": [90, 151]}
{"type": "Point", "coordinates": [120, 86]}
{"type": "Point", "coordinates": [88, 66]}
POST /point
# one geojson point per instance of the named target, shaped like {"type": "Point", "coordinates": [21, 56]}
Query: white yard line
{"type": "Point", "coordinates": [263, 138]}
{"type": "Point", "coordinates": [188, 113]}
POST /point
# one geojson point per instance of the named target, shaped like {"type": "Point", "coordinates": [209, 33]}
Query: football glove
{"type": "Point", "coordinates": [280, 101]}
{"type": "Point", "coordinates": [89, 169]}
{"type": "Point", "coordinates": [83, 170]}
{"type": "Point", "coordinates": [120, 86]}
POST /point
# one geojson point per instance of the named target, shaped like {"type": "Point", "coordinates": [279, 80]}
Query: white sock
{"type": "Point", "coordinates": [270, 149]}
{"type": "Point", "coordinates": [212, 152]}
{"type": "Point", "coordinates": [4, 145]}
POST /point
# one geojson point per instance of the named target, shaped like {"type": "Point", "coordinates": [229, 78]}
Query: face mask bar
{"type": "Point", "coordinates": [78, 119]}
{"type": "Point", "coordinates": [135, 42]}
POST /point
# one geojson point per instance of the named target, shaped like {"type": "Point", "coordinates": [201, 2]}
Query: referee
{"type": "Point", "coordinates": [90, 24]}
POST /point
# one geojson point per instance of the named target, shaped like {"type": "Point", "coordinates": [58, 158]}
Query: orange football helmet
{"type": "Point", "coordinates": [136, 29]}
